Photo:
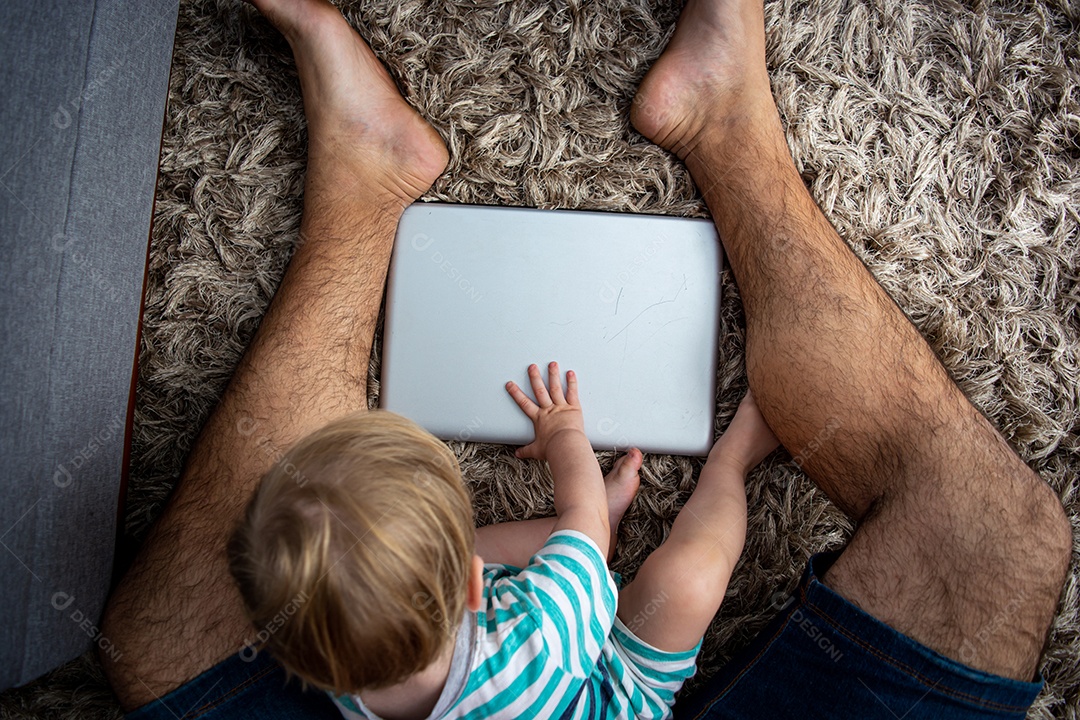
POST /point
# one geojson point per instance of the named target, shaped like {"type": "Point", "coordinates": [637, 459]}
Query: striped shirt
{"type": "Point", "coordinates": [543, 647]}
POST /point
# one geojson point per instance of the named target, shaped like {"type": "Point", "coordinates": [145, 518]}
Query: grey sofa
{"type": "Point", "coordinates": [83, 87]}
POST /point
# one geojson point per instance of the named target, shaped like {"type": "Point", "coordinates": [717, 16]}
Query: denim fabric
{"type": "Point", "coordinates": [241, 686]}
{"type": "Point", "coordinates": [823, 657]}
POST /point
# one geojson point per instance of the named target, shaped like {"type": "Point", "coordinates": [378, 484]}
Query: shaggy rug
{"type": "Point", "coordinates": [941, 138]}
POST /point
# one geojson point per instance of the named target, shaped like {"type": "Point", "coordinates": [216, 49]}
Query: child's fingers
{"type": "Point", "coordinates": [541, 393]}
{"type": "Point", "coordinates": [555, 382]}
{"type": "Point", "coordinates": [571, 387]}
{"type": "Point", "coordinates": [527, 406]}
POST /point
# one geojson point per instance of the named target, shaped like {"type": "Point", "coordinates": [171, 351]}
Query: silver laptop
{"type": "Point", "coordinates": [629, 302]}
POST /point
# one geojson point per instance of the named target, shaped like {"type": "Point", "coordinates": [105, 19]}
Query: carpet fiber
{"type": "Point", "coordinates": [942, 140]}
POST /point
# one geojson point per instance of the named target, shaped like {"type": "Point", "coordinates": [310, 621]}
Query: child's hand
{"type": "Point", "coordinates": [580, 501]}
{"type": "Point", "coordinates": [552, 413]}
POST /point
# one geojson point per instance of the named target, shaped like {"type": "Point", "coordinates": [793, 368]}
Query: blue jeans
{"type": "Point", "coordinates": [821, 657]}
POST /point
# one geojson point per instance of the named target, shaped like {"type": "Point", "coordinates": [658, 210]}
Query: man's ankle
{"type": "Point", "coordinates": [735, 147]}
{"type": "Point", "coordinates": [356, 191]}
{"type": "Point", "coordinates": [747, 127]}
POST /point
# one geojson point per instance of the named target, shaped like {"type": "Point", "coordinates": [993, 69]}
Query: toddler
{"type": "Point", "coordinates": [359, 563]}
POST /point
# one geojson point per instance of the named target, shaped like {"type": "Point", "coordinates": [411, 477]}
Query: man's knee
{"type": "Point", "coordinates": [1017, 539]}
{"type": "Point", "coordinates": [987, 511]}
{"type": "Point", "coordinates": [1051, 523]}
{"type": "Point", "coordinates": [1021, 597]}
{"type": "Point", "coordinates": [973, 575]}
{"type": "Point", "coordinates": [1032, 531]}
{"type": "Point", "coordinates": [118, 668]}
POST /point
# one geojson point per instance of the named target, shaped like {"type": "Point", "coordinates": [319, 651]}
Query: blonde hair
{"type": "Point", "coordinates": [354, 555]}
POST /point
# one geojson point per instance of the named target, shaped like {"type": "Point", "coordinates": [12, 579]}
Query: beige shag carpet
{"type": "Point", "coordinates": [941, 138]}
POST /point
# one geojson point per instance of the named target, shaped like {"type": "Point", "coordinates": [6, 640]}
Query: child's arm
{"type": "Point", "coordinates": [580, 501]}
{"type": "Point", "coordinates": [691, 569]}
{"type": "Point", "coordinates": [514, 542]}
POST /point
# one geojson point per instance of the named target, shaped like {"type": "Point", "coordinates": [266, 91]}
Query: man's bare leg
{"type": "Point", "coordinates": [956, 536]}
{"type": "Point", "coordinates": [177, 613]}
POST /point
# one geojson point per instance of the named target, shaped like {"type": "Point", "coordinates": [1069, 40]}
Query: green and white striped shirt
{"type": "Point", "coordinates": [547, 644]}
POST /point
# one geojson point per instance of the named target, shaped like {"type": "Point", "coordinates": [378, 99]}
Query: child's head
{"type": "Point", "coordinates": [355, 553]}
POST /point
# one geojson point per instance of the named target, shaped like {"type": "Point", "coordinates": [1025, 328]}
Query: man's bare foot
{"type": "Point", "coordinates": [621, 486]}
{"type": "Point", "coordinates": [711, 74]}
{"type": "Point", "coordinates": [747, 440]}
{"type": "Point", "coordinates": [363, 137]}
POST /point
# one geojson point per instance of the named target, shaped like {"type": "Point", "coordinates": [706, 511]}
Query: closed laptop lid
{"type": "Point", "coordinates": [629, 302]}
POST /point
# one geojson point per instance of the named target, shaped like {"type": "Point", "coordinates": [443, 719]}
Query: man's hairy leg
{"type": "Point", "coordinates": [960, 545]}
{"type": "Point", "coordinates": [177, 612]}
